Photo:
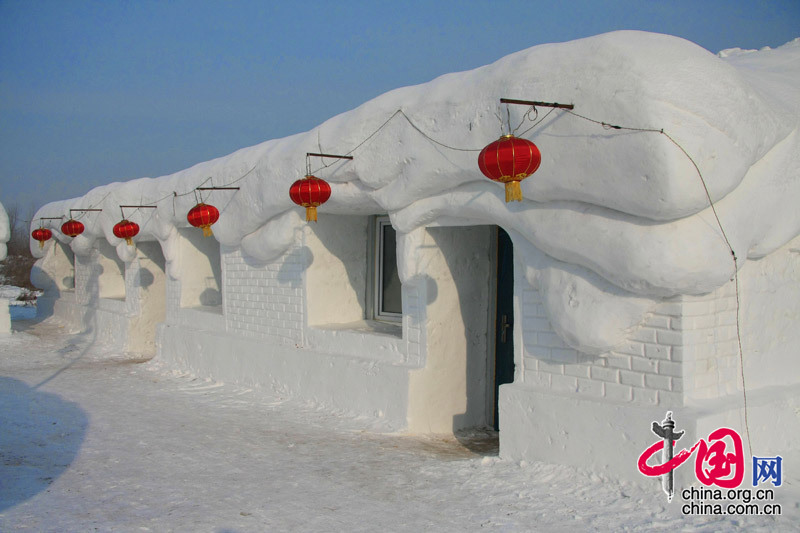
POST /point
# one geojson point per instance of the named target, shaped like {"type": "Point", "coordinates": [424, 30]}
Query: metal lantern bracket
{"type": "Point", "coordinates": [314, 154]}
{"type": "Point", "coordinates": [41, 219]}
{"type": "Point", "coordinates": [317, 154]}
{"type": "Point", "coordinates": [536, 103]}
{"type": "Point", "coordinates": [212, 188]}
{"type": "Point", "coordinates": [135, 207]}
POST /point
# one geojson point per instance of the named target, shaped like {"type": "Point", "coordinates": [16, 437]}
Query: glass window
{"type": "Point", "coordinates": [386, 285]}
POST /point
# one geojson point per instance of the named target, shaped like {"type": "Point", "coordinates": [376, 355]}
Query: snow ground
{"type": "Point", "coordinates": [92, 441]}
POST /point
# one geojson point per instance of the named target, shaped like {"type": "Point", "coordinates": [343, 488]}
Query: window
{"type": "Point", "coordinates": [385, 282]}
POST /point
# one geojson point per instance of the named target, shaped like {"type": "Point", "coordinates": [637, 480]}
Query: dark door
{"type": "Point", "coordinates": [504, 322]}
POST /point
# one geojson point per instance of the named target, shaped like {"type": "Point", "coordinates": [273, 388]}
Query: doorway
{"type": "Point", "coordinates": [504, 318]}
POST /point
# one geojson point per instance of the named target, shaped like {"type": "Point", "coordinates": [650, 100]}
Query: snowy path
{"type": "Point", "coordinates": [90, 442]}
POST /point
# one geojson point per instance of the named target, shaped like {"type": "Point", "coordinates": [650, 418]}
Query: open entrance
{"type": "Point", "coordinates": [504, 319]}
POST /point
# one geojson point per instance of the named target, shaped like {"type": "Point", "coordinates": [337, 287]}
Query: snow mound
{"type": "Point", "coordinates": [18, 296]}
{"type": "Point", "coordinates": [614, 221]}
{"type": "Point", "coordinates": [5, 232]}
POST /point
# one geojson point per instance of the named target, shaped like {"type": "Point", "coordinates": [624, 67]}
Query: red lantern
{"type": "Point", "coordinates": [72, 228]}
{"type": "Point", "coordinates": [310, 192]}
{"type": "Point", "coordinates": [510, 160]}
{"type": "Point", "coordinates": [125, 229]}
{"type": "Point", "coordinates": [41, 235]}
{"type": "Point", "coordinates": [202, 216]}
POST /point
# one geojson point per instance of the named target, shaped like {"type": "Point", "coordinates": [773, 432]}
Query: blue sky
{"type": "Point", "coordinates": [98, 91]}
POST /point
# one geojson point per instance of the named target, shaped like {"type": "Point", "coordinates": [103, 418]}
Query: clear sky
{"type": "Point", "coordinates": [98, 91]}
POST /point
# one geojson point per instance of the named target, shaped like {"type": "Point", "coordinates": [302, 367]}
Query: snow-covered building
{"type": "Point", "coordinates": [5, 236]}
{"type": "Point", "coordinates": [572, 319]}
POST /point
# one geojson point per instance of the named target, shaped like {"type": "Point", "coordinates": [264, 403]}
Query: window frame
{"type": "Point", "coordinates": [376, 271]}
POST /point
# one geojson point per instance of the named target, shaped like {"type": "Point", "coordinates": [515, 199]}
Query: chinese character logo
{"type": "Point", "coordinates": [714, 465]}
{"type": "Point", "coordinates": [767, 469]}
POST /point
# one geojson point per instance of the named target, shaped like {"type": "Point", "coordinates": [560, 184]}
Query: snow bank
{"type": "Point", "coordinates": [18, 295]}
{"type": "Point", "coordinates": [614, 220]}
{"type": "Point", "coordinates": [5, 236]}
{"type": "Point", "coordinates": [5, 232]}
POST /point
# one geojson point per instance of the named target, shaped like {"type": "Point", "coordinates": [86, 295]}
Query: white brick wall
{"type": "Point", "coordinates": [643, 370]}
{"type": "Point", "coordinates": [173, 300]}
{"type": "Point", "coordinates": [264, 301]}
{"type": "Point", "coordinates": [267, 302]}
{"type": "Point", "coordinates": [710, 350]}
{"type": "Point", "coordinates": [85, 271]}
{"type": "Point", "coordinates": [687, 350]}
{"type": "Point", "coordinates": [132, 285]}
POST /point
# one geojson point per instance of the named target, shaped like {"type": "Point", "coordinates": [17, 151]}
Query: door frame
{"type": "Point", "coordinates": [491, 357]}
{"type": "Point", "coordinates": [491, 329]}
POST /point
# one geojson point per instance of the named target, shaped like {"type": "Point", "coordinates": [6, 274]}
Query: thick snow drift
{"type": "Point", "coordinates": [614, 220]}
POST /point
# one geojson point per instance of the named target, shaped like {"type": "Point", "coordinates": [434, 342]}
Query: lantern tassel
{"type": "Point", "coordinates": [129, 241]}
{"type": "Point", "coordinates": [311, 213]}
{"type": "Point", "coordinates": [41, 244]}
{"type": "Point", "coordinates": [513, 192]}
{"type": "Point", "coordinates": [207, 231]}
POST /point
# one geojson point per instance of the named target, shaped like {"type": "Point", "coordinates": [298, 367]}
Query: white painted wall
{"type": "Point", "coordinates": [449, 393]}
{"type": "Point", "coordinates": [770, 318]}
{"type": "Point", "coordinates": [336, 277]}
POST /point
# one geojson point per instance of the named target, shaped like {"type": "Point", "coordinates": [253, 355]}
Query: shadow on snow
{"type": "Point", "coordinates": [40, 435]}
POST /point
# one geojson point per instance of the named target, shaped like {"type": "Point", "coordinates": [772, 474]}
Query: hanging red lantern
{"type": "Point", "coordinates": [41, 235]}
{"type": "Point", "coordinates": [202, 216]}
{"type": "Point", "coordinates": [125, 229]}
{"type": "Point", "coordinates": [310, 192]}
{"type": "Point", "coordinates": [510, 160]}
{"type": "Point", "coordinates": [72, 228]}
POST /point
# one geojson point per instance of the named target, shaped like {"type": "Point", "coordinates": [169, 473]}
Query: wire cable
{"type": "Point", "coordinates": [735, 278]}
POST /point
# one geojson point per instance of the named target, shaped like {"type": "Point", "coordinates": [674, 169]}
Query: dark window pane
{"type": "Point", "coordinates": [391, 302]}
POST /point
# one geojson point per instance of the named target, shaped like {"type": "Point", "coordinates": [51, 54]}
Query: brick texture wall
{"type": "Point", "coordinates": [132, 286]}
{"type": "Point", "coordinates": [710, 350]}
{"type": "Point", "coordinates": [173, 299]}
{"type": "Point", "coordinates": [264, 301]}
{"type": "Point", "coordinates": [86, 288]}
{"type": "Point", "coordinates": [642, 371]}
{"type": "Point", "coordinates": [685, 351]}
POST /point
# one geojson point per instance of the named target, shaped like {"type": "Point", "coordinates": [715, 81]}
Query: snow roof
{"type": "Point", "coordinates": [620, 211]}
